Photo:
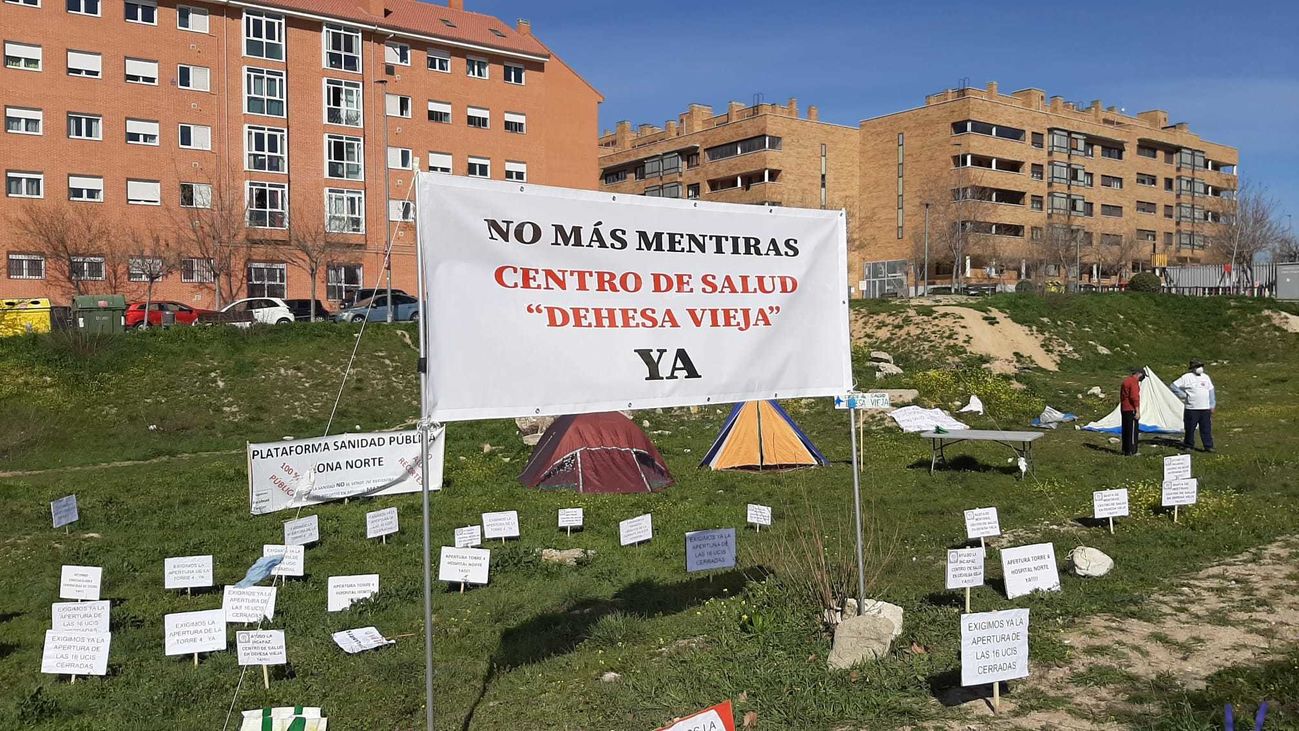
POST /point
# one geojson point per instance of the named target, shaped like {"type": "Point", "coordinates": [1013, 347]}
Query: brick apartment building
{"type": "Point", "coordinates": [306, 119]}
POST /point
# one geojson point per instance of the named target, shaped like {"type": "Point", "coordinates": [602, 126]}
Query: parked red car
{"type": "Point", "coordinates": [184, 314]}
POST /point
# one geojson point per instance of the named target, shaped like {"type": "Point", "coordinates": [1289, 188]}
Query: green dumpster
{"type": "Point", "coordinates": [99, 313]}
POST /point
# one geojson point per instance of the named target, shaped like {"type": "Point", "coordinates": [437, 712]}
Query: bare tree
{"type": "Point", "coordinates": [313, 243]}
{"type": "Point", "coordinates": [1252, 228]}
{"type": "Point", "coordinates": [957, 215]}
{"type": "Point", "coordinates": [1115, 254]}
{"type": "Point", "coordinates": [1059, 248]}
{"type": "Point", "coordinates": [72, 238]}
{"type": "Point", "coordinates": [218, 233]}
{"type": "Point", "coordinates": [153, 258]}
{"type": "Point", "coordinates": [1286, 248]}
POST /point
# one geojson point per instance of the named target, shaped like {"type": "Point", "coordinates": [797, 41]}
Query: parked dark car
{"type": "Point", "coordinates": [301, 309]}
{"type": "Point", "coordinates": [366, 293]}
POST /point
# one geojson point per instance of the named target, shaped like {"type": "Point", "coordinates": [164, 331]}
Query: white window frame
{"type": "Point", "coordinates": [265, 134]}
{"type": "Point", "coordinates": [477, 62]}
{"type": "Point", "coordinates": [401, 158]}
{"type": "Point", "coordinates": [200, 195]}
{"type": "Point", "coordinates": [268, 78]}
{"type": "Point", "coordinates": [352, 201]}
{"type": "Point", "coordinates": [99, 8]}
{"type": "Point", "coordinates": [143, 186]}
{"type": "Point", "coordinates": [517, 169]}
{"type": "Point", "coordinates": [28, 3]}
{"type": "Point", "coordinates": [523, 74]}
{"type": "Point", "coordinates": [94, 68]}
{"type": "Point", "coordinates": [24, 53]}
{"type": "Point", "coordinates": [200, 136]}
{"type": "Point", "coordinates": [195, 14]}
{"type": "Point", "coordinates": [17, 256]}
{"type": "Point", "coordinates": [196, 73]}
{"type": "Point", "coordinates": [135, 271]}
{"type": "Point", "coordinates": [436, 160]}
{"type": "Point", "coordinates": [281, 188]}
{"type": "Point", "coordinates": [142, 71]}
{"type": "Point", "coordinates": [438, 60]}
{"type": "Point", "coordinates": [401, 211]}
{"type": "Point", "coordinates": [99, 126]}
{"type": "Point", "coordinates": [273, 279]}
{"type": "Point", "coordinates": [78, 272]}
{"type": "Point", "coordinates": [395, 104]}
{"type": "Point", "coordinates": [356, 92]}
{"type": "Point", "coordinates": [26, 114]}
{"type": "Point", "coordinates": [85, 182]}
{"type": "Point", "coordinates": [329, 31]}
{"type": "Point", "coordinates": [516, 118]}
{"type": "Point", "coordinates": [439, 107]}
{"type": "Point", "coordinates": [141, 5]}
{"type": "Point", "coordinates": [397, 54]}
{"type": "Point", "coordinates": [472, 160]}
{"type": "Point", "coordinates": [480, 112]}
{"type": "Point", "coordinates": [142, 128]}
{"type": "Point", "coordinates": [267, 22]}
{"type": "Point", "coordinates": [27, 176]}
{"type": "Point", "coordinates": [349, 144]}
{"type": "Point", "coordinates": [194, 270]}
{"type": "Point", "coordinates": [336, 276]}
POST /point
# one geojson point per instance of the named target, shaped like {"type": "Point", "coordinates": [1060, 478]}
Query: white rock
{"type": "Point", "coordinates": [568, 557]}
{"type": "Point", "coordinates": [610, 677]}
{"type": "Point", "coordinates": [879, 356]}
{"type": "Point", "coordinates": [1090, 562]}
{"type": "Point", "coordinates": [883, 370]}
{"type": "Point", "coordinates": [857, 639]}
{"type": "Point", "coordinates": [891, 612]}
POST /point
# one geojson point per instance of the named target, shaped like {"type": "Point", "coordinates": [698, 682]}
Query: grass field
{"type": "Point", "coordinates": [528, 651]}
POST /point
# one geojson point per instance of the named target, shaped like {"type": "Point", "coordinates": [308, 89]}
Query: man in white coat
{"type": "Point", "coordinates": [1195, 389]}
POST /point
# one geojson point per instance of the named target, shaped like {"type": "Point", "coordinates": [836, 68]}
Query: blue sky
{"type": "Point", "coordinates": [1229, 69]}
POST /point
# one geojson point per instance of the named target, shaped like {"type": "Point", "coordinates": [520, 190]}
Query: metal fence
{"type": "Point", "coordinates": [1201, 280]}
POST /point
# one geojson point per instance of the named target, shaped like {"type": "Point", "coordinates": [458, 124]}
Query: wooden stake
{"type": "Point", "coordinates": [570, 531]}
{"type": "Point", "coordinates": [266, 678]}
{"type": "Point", "coordinates": [1111, 525]}
{"type": "Point", "coordinates": [462, 587]}
{"type": "Point", "coordinates": [188, 592]}
{"type": "Point", "coordinates": [68, 531]}
{"type": "Point", "coordinates": [967, 600]}
{"type": "Point", "coordinates": [74, 680]}
{"type": "Point", "coordinates": [996, 697]}
{"type": "Point", "coordinates": [1174, 513]}
{"type": "Point", "coordinates": [757, 527]}
{"type": "Point", "coordinates": [196, 659]}
{"type": "Point", "coordinates": [384, 538]}
{"type": "Point", "coordinates": [983, 545]}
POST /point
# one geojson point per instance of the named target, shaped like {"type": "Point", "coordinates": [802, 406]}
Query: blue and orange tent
{"type": "Point", "coordinates": [759, 435]}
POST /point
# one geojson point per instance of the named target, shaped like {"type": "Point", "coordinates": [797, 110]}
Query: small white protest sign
{"type": "Point", "coordinates": [994, 646]}
{"type": "Point", "coordinates": [293, 563]}
{"type": "Point", "coordinates": [707, 550]}
{"type": "Point", "coordinates": [759, 514]}
{"type": "Point", "coordinates": [187, 633]}
{"type": "Point", "coordinates": [380, 523]}
{"type": "Point", "coordinates": [469, 536]}
{"type": "Point", "coordinates": [1031, 568]}
{"type": "Point", "coordinates": [302, 531]}
{"type": "Point", "coordinates": [571, 517]}
{"type": "Point", "coordinates": [464, 565]}
{"type": "Point", "coordinates": [1110, 503]}
{"type": "Point", "coordinates": [64, 511]}
{"type": "Point", "coordinates": [343, 590]}
{"type": "Point", "coordinates": [1180, 492]}
{"type": "Point", "coordinates": [636, 530]}
{"type": "Point", "coordinates": [981, 523]}
{"type": "Point", "coordinates": [261, 647]}
{"type": "Point", "coordinates": [249, 604]}
{"type": "Point", "coordinates": [75, 653]}
{"type": "Point", "coordinates": [353, 641]}
{"type": "Point", "coordinates": [964, 568]}
{"type": "Point", "coordinates": [871, 400]}
{"type": "Point", "coordinates": [79, 617]}
{"type": "Point", "coordinates": [80, 582]}
{"type": "Point", "coordinates": [187, 572]}
{"type": "Point", "coordinates": [1177, 467]}
{"type": "Point", "coordinates": [504, 524]}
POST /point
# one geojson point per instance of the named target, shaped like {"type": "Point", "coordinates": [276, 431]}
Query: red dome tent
{"type": "Point", "coordinates": [602, 452]}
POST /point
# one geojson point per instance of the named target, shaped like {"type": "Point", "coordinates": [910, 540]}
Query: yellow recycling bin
{"type": "Point", "coordinates": [26, 315]}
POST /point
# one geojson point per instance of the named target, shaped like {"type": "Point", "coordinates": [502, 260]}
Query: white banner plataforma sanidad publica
{"type": "Point", "coordinates": [543, 301]}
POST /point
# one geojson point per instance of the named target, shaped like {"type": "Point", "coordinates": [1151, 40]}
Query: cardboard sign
{"type": "Point", "coordinates": [464, 565]}
{"type": "Point", "coordinates": [302, 531]}
{"type": "Point", "coordinates": [380, 523]}
{"type": "Point", "coordinates": [249, 604]}
{"type": "Point", "coordinates": [261, 647]}
{"type": "Point", "coordinates": [187, 633]}
{"type": "Point", "coordinates": [981, 523]}
{"type": "Point", "coordinates": [636, 530]}
{"type": "Point", "coordinates": [79, 617]}
{"type": "Point", "coordinates": [571, 517]}
{"type": "Point", "coordinates": [1180, 492]}
{"type": "Point", "coordinates": [80, 582]}
{"type": "Point", "coordinates": [872, 400]}
{"type": "Point", "coordinates": [707, 550]}
{"type": "Point", "coordinates": [469, 536]}
{"type": "Point", "coordinates": [1110, 503]}
{"type": "Point", "coordinates": [964, 568]}
{"type": "Point", "coordinates": [717, 718]}
{"type": "Point", "coordinates": [187, 572]}
{"type": "Point", "coordinates": [293, 563]}
{"type": "Point", "coordinates": [1027, 569]}
{"type": "Point", "coordinates": [759, 514]}
{"type": "Point", "coordinates": [1177, 467]}
{"type": "Point", "coordinates": [343, 590]}
{"type": "Point", "coordinates": [501, 525]}
{"type": "Point", "coordinates": [353, 641]}
{"type": "Point", "coordinates": [64, 511]}
{"type": "Point", "coordinates": [994, 646]}
{"type": "Point", "coordinates": [75, 653]}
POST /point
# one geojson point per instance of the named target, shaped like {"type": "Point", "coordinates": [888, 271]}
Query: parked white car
{"type": "Point", "coordinates": [266, 310]}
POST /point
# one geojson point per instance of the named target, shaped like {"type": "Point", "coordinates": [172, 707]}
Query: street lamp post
{"type": "Point", "coordinates": [926, 271]}
{"type": "Point", "coordinates": [387, 202]}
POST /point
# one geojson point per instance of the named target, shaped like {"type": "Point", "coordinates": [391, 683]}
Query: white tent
{"type": "Point", "coordinates": [1161, 411]}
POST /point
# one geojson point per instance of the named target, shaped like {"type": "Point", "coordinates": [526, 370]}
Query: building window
{"type": "Point", "coordinates": [614, 176]}
{"type": "Point", "coordinates": [141, 132]}
{"type": "Point", "coordinates": [439, 60]}
{"type": "Point", "coordinates": [144, 268]}
{"type": "Point", "coordinates": [1038, 140]}
{"type": "Point", "coordinates": [22, 56]}
{"type": "Point", "coordinates": [654, 191]}
{"type": "Point", "coordinates": [1147, 207]}
{"type": "Point", "coordinates": [195, 137]}
{"type": "Point", "coordinates": [344, 211]}
{"type": "Point", "coordinates": [1168, 184]}
{"type": "Point", "coordinates": [142, 11]}
{"type": "Point", "coordinates": [971, 126]}
{"type": "Point", "coordinates": [513, 74]}
{"type": "Point", "coordinates": [263, 35]}
{"type": "Point", "coordinates": [1145, 235]}
{"type": "Point", "coordinates": [1147, 179]}
{"type": "Point", "coordinates": [268, 205]}
{"type": "Point", "coordinates": [1036, 171]}
{"type": "Point", "coordinates": [479, 167]}
{"type": "Point", "coordinates": [344, 157]}
{"type": "Point", "coordinates": [692, 190]}
{"type": "Point", "coordinates": [1193, 159]}
{"type": "Point", "coordinates": [192, 77]}
{"type": "Point", "coordinates": [195, 195]}
{"type": "Point", "coordinates": [400, 158]}
{"type": "Point", "coordinates": [1111, 211]}
{"type": "Point", "coordinates": [670, 190]}
{"type": "Point", "coordinates": [28, 3]}
{"type": "Point", "coordinates": [264, 92]}
{"type": "Point", "coordinates": [342, 281]}
{"type": "Point", "coordinates": [84, 63]}
{"type": "Point", "coordinates": [396, 105]}
{"type": "Point", "coordinates": [87, 268]}
{"type": "Point", "coordinates": [85, 126]}
{"type": "Point", "coordinates": [476, 67]}
{"type": "Point", "coordinates": [1168, 212]}
{"type": "Point", "coordinates": [479, 117]}
{"type": "Point", "coordinates": [266, 149]}
{"type": "Point", "coordinates": [24, 121]}
{"type": "Point", "coordinates": [343, 102]}
{"type": "Point", "coordinates": [439, 162]}
{"type": "Point", "coordinates": [516, 123]}
{"type": "Point", "coordinates": [439, 112]}
{"type": "Point", "coordinates": [396, 53]}
{"type": "Point", "coordinates": [140, 71]}
{"type": "Point", "coordinates": [1110, 181]}
{"type": "Point", "coordinates": [743, 147]}
{"type": "Point", "coordinates": [1036, 233]}
{"type": "Point", "coordinates": [144, 192]}
{"type": "Point", "coordinates": [191, 18]}
{"type": "Point", "coordinates": [342, 48]}
{"type": "Point", "coordinates": [266, 279]}
{"type": "Point", "coordinates": [84, 7]}
{"type": "Point", "coordinates": [196, 271]}
{"type": "Point", "coordinates": [26, 266]}
{"type": "Point", "coordinates": [85, 188]}
{"type": "Point", "coordinates": [1113, 153]}
{"type": "Point", "coordinates": [518, 172]}
{"type": "Point", "coordinates": [401, 210]}
{"type": "Point", "coordinates": [1036, 203]}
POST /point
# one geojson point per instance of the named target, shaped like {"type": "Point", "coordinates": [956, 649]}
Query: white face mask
{"type": "Point", "coordinates": [1198, 371]}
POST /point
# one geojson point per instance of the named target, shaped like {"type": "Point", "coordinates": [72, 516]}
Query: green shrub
{"type": "Point", "coordinates": [1001, 397]}
{"type": "Point", "coordinates": [1145, 282]}
{"type": "Point", "coordinates": [1025, 286]}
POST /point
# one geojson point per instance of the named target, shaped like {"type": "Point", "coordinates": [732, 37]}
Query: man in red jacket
{"type": "Point", "coordinates": [1130, 409]}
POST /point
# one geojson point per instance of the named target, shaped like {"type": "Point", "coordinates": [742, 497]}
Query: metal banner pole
{"type": "Point", "coordinates": [856, 504]}
{"type": "Point", "coordinates": [424, 465]}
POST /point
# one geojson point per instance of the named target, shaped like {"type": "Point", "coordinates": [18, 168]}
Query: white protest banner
{"type": "Point", "coordinates": [261, 647]}
{"type": "Point", "coordinates": [187, 633]}
{"type": "Point", "coordinates": [994, 646]}
{"type": "Point", "coordinates": [353, 641]}
{"type": "Point", "coordinates": [298, 472]}
{"type": "Point", "coordinates": [79, 617]}
{"type": "Point", "coordinates": [981, 523]}
{"type": "Point", "coordinates": [80, 582]}
{"type": "Point", "coordinates": [871, 400]}
{"type": "Point", "coordinates": [1180, 492]}
{"type": "Point", "coordinates": [249, 604]}
{"type": "Point", "coordinates": [187, 572]}
{"type": "Point", "coordinates": [464, 565]}
{"type": "Point", "coordinates": [64, 511]}
{"type": "Point", "coordinates": [571, 517]}
{"type": "Point", "coordinates": [707, 550]}
{"type": "Point", "coordinates": [636, 530]}
{"type": "Point", "coordinates": [75, 653]}
{"type": "Point", "coordinates": [293, 563]}
{"type": "Point", "coordinates": [758, 514]}
{"type": "Point", "coordinates": [1177, 467]}
{"type": "Point", "coordinates": [504, 524]}
{"type": "Point", "coordinates": [1031, 568]}
{"type": "Point", "coordinates": [469, 536]}
{"type": "Point", "coordinates": [343, 590]}
{"type": "Point", "coordinates": [679, 302]}
{"type": "Point", "coordinates": [379, 523]}
{"type": "Point", "coordinates": [302, 531]}
{"type": "Point", "coordinates": [964, 568]}
{"type": "Point", "coordinates": [1110, 503]}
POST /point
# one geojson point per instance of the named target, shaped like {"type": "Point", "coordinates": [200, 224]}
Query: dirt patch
{"type": "Point", "coordinates": [1283, 320]}
{"type": "Point", "coordinates": [1001, 339]}
{"type": "Point", "coordinates": [943, 333]}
